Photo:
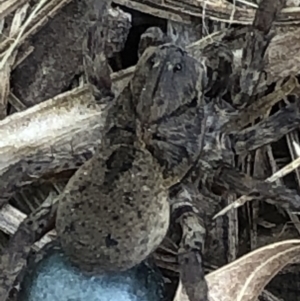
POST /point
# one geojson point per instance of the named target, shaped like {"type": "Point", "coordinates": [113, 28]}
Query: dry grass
{"type": "Point", "coordinates": [24, 21]}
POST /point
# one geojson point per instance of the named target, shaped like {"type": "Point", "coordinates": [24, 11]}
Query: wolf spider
{"type": "Point", "coordinates": [230, 106]}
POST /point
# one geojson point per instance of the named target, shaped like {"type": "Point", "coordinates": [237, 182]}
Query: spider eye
{"type": "Point", "coordinates": [177, 68]}
{"type": "Point", "coordinates": [152, 61]}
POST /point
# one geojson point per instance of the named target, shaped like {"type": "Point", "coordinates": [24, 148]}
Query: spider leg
{"type": "Point", "coordinates": [219, 67]}
{"type": "Point", "coordinates": [95, 63]}
{"type": "Point", "coordinates": [260, 107]}
{"type": "Point", "coordinates": [223, 177]}
{"type": "Point", "coordinates": [186, 215]}
{"type": "Point", "coordinates": [230, 179]}
{"type": "Point", "coordinates": [267, 131]}
{"type": "Point", "coordinates": [252, 67]}
{"type": "Point", "coordinates": [13, 261]}
{"type": "Point", "coordinates": [257, 40]}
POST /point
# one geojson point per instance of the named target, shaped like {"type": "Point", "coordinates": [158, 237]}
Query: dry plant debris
{"type": "Point", "coordinates": [65, 145]}
{"type": "Point", "coordinates": [238, 12]}
{"type": "Point", "coordinates": [26, 21]}
{"type": "Point", "coordinates": [245, 278]}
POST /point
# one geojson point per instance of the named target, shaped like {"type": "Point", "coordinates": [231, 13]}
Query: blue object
{"type": "Point", "coordinates": [55, 279]}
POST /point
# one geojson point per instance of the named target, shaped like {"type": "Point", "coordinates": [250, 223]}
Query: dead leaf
{"type": "Point", "coordinates": [245, 278]}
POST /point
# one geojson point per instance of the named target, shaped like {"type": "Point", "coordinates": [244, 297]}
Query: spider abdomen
{"type": "Point", "coordinates": [114, 212]}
